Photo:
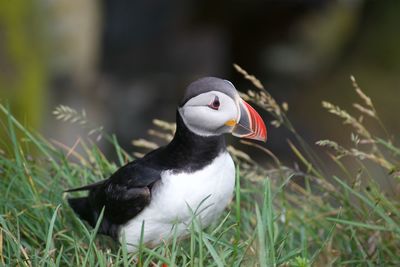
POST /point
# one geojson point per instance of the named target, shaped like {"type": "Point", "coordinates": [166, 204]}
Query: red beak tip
{"type": "Point", "coordinates": [253, 126]}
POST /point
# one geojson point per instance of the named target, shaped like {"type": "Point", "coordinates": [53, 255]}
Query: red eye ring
{"type": "Point", "coordinates": [215, 103]}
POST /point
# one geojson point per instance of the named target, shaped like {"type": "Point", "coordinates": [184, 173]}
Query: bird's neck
{"type": "Point", "coordinates": [194, 150]}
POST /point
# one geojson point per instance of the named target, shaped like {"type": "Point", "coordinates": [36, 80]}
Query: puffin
{"type": "Point", "coordinates": [155, 197]}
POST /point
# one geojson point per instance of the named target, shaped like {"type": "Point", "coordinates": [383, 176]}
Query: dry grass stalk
{"type": "Point", "coordinates": [265, 150]}
{"type": "Point", "coordinates": [364, 110]}
{"type": "Point", "coordinates": [371, 111]}
{"type": "Point", "coordinates": [362, 95]}
{"type": "Point", "coordinates": [361, 155]}
{"type": "Point", "coordinates": [256, 82]}
{"type": "Point", "coordinates": [138, 155]}
{"type": "Point", "coordinates": [145, 144]}
{"type": "Point", "coordinates": [164, 125]}
{"type": "Point", "coordinates": [158, 134]}
{"type": "Point", "coordinates": [333, 145]}
{"type": "Point", "coordinates": [348, 119]}
{"type": "Point", "coordinates": [71, 151]}
{"type": "Point", "coordinates": [165, 131]}
{"type": "Point", "coordinates": [375, 158]}
{"type": "Point", "coordinates": [240, 155]}
{"type": "Point", "coordinates": [68, 114]}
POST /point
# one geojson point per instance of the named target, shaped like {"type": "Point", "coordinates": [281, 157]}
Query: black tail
{"type": "Point", "coordinates": [82, 207]}
{"type": "Point", "coordinates": [86, 212]}
{"type": "Point", "coordinates": [86, 187]}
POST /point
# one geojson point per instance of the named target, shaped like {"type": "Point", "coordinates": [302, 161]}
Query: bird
{"type": "Point", "coordinates": [155, 197]}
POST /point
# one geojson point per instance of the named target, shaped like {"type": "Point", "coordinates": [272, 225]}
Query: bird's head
{"type": "Point", "coordinates": [212, 106]}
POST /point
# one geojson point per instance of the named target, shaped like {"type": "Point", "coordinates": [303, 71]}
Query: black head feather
{"type": "Point", "coordinates": [208, 84]}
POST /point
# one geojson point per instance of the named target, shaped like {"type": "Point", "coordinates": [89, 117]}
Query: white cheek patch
{"type": "Point", "coordinates": [201, 117]}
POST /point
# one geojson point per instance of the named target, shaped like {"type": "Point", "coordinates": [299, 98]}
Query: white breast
{"type": "Point", "coordinates": [208, 191]}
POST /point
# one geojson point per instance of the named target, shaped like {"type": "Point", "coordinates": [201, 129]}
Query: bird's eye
{"type": "Point", "coordinates": [215, 103]}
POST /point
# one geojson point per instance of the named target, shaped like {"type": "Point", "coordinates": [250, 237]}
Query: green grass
{"type": "Point", "coordinates": [279, 216]}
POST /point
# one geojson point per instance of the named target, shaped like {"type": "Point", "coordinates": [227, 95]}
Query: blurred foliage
{"type": "Point", "coordinates": [22, 61]}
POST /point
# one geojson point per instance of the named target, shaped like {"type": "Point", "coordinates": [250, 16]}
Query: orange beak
{"type": "Point", "coordinates": [250, 124]}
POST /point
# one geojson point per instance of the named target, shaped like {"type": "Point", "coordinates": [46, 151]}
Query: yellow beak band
{"type": "Point", "coordinates": [230, 123]}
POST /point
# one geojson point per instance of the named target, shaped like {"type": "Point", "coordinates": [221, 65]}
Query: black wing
{"type": "Point", "coordinates": [126, 193]}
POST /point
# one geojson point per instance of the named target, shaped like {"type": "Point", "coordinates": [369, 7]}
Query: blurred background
{"type": "Point", "coordinates": [126, 62]}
